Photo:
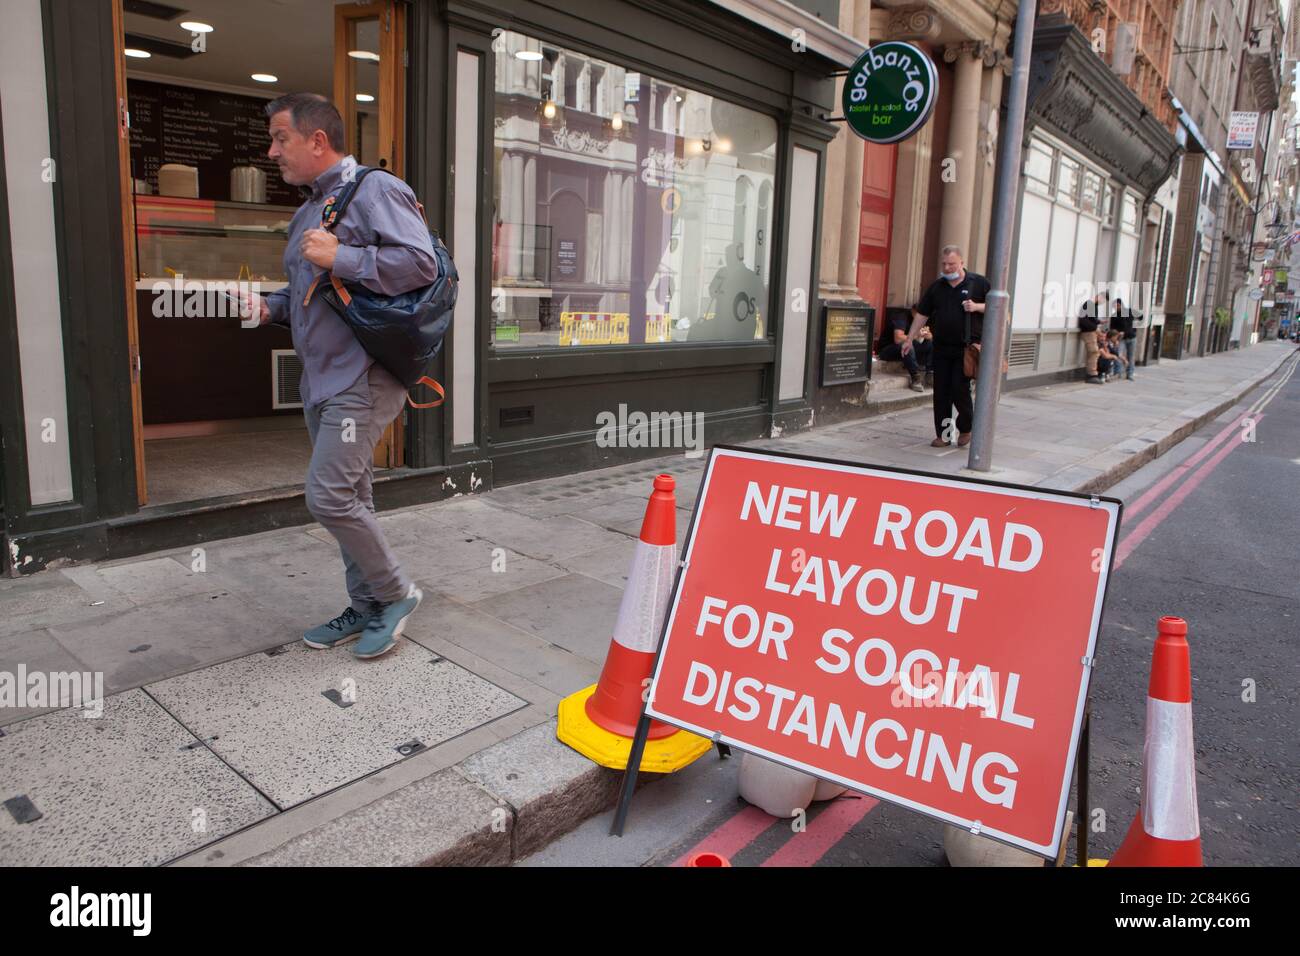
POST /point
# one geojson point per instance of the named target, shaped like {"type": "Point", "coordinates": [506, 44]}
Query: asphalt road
{"type": "Point", "coordinates": [1211, 533]}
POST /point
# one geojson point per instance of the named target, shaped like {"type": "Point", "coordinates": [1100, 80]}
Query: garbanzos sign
{"type": "Point", "coordinates": [889, 92]}
{"type": "Point", "coordinates": [924, 639]}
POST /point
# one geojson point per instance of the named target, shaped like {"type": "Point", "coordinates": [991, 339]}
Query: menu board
{"type": "Point", "coordinates": [846, 345]}
{"type": "Point", "coordinates": [212, 131]}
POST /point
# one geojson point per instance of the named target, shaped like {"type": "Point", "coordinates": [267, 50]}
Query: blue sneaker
{"type": "Point", "coordinates": [346, 627]}
{"type": "Point", "coordinates": [385, 627]}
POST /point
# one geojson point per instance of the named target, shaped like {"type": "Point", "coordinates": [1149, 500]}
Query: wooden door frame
{"type": "Point", "coordinates": [128, 248]}
{"type": "Point", "coordinates": [390, 451]}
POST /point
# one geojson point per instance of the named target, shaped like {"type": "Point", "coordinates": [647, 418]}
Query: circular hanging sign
{"type": "Point", "coordinates": [889, 92]}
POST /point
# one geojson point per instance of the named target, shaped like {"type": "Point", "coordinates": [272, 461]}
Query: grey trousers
{"type": "Point", "coordinates": [344, 431]}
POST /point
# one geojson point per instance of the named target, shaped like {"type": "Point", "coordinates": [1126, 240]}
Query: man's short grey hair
{"type": "Point", "coordinates": [310, 112]}
{"type": "Point", "coordinates": [956, 249]}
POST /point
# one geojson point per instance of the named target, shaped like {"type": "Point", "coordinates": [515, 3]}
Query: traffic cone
{"type": "Point", "coordinates": [1167, 829]}
{"type": "Point", "coordinates": [599, 721]}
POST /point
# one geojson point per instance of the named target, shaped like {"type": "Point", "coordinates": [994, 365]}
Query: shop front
{"type": "Point", "coordinates": [1095, 155]}
{"type": "Point", "coordinates": [630, 191]}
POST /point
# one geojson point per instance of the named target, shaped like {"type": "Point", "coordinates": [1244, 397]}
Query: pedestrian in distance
{"type": "Point", "coordinates": [953, 308]}
{"type": "Point", "coordinates": [382, 242]}
{"type": "Point", "coordinates": [1124, 320]}
{"type": "Point", "coordinates": [1092, 315]}
{"type": "Point", "coordinates": [1109, 361]}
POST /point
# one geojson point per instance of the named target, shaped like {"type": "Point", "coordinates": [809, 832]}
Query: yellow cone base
{"type": "Point", "coordinates": [1093, 861]}
{"type": "Point", "coordinates": [612, 750]}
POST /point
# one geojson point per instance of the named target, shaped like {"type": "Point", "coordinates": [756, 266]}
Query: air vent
{"type": "Point", "coordinates": [520, 415]}
{"type": "Point", "coordinates": [1024, 351]}
{"type": "Point", "coordinates": [286, 371]}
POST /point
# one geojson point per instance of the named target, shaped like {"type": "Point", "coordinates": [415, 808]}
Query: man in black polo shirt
{"type": "Point", "coordinates": [953, 307]}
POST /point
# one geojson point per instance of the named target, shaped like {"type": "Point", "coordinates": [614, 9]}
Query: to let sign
{"type": "Point", "coordinates": [927, 640]}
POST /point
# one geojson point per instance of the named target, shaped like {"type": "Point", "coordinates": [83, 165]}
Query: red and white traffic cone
{"type": "Point", "coordinates": [1167, 828]}
{"type": "Point", "coordinates": [600, 721]}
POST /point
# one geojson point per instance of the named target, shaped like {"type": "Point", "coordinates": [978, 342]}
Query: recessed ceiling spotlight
{"type": "Point", "coordinates": [265, 77]}
{"type": "Point", "coordinates": [196, 26]}
{"type": "Point", "coordinates": [528, 54]}
{"type": "Point", "coordinates": [363, 55]}
{"type": "Point", "coordinates": [137, 54]}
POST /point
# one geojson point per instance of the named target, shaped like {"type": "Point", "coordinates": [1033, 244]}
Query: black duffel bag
{"type": "Point", "coordinates": [404, 332]}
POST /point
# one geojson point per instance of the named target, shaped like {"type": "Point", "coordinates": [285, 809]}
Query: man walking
{"type": "Point", "coordinates": [953, 307]}
{"type": "Point", "coordinates": [348, 399]}
{"type": "Point", "coordinates": [1125, 321]}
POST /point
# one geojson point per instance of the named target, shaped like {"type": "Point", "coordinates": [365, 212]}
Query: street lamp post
{"type": "Point", "coordinates": [994, 336]}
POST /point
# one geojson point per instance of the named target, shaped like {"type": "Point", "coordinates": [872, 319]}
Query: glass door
{"type": "Point", "coordinates": [369, 90]}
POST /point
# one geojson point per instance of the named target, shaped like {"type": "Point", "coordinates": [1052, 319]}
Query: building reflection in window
{"type": "Point", "coordinates": [628, 210]}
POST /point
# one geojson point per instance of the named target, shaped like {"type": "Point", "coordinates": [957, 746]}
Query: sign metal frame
{"type": "Point", "coordinates": [1076, 762]}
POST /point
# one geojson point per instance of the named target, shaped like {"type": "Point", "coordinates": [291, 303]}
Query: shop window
{"type": "Point", "coordinates": [1163, 260]}
{"type": "Point", "coordinates": [637, 225]}
{"type": "Point", "coordinates": [1090, 197]}
{"type": "Point", "coordinates": [1038, 168]}
{"type": "Point", "coordinates": [1067, 181]}
{"type": "Point", "coordinates": [1130, 220]}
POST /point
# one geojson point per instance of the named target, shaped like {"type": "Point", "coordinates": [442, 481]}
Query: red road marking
{"type": "Point", "coordinates": [830, 826]}
{"type": "Point", "coordinates": [1152, 493]}
{"type": "Point", "coordinates": [732, 836]}
{"type": "Point", "coordinates": [1151, 521]}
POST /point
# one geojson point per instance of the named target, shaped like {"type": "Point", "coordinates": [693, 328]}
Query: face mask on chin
{"type": "Point", "coordinates": [950, 276]}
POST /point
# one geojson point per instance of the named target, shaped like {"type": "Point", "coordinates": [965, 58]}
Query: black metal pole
{"type": "Point", "coordinates": [993, 338]}
{"type": "Point", "coordinates": [629, 775]}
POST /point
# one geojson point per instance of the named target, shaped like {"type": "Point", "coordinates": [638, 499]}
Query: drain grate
{"type": "Point", "coordinates": [336, 697]}
{"type": "Point", "coordinates": [22, 809]}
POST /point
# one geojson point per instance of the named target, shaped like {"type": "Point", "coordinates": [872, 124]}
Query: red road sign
{"type": "Point", "coordinates": [924, 639]}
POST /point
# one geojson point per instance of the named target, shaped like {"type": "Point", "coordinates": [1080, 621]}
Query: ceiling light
{"type": "Point", "coordinates": [265, 77]}
{"type": "Point", "coordinates": [138, 54]}
{"type": "Point", "coordinates": [548, 109]}
{"type": "Point", "coordinates": [365, 98]}
{"type": "Point", "coordinates": [679, 97]}
{"type": "Point", "coordinates": [194, 26]}
{"type": "Point", "coordinates": [723, 145]}
{"type": "Point", "coordinates": [616, 121]}
{"type": "Point", "coordinates": [528, 54]}
{"type": "Point", "coordinates": [363, 55]}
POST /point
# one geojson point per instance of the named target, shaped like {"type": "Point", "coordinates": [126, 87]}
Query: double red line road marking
{"type": "Point", "coordinates": [834, 822]}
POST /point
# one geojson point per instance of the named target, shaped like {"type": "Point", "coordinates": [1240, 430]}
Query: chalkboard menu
{"type": "Point", "coordinates": [846, 344]}
{"type": "Point", "coordinates": [212, 131]}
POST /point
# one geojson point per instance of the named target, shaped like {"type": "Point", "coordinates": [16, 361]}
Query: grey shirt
{"type": "Point", "coordinates": [383, 244]}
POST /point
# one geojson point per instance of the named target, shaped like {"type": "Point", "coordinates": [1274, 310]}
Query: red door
{"type": "Point", "coordinates": [878, 164]}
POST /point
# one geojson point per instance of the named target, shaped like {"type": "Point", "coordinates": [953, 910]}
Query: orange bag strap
{"type": "Point", "coordinates": [425, 380]}
{"type": "Point", "coordinates": [344, 295]}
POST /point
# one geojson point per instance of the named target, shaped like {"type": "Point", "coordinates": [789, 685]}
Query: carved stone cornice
{"type": "Point", "coordinates": [1073, 93]}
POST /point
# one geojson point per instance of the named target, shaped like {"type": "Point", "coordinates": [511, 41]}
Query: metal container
{"type": "Point", "coordinates": [247, 184]}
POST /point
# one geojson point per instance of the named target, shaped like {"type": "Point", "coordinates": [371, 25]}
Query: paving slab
{"type": "Point", "coordinates": [443, 819]}
{"type": "Point", "coordinates": [504, 570]}
{"type": "Point", "coordinates": [550, 787]}
{"type": "Point", "coordinates": [45, 599]}
{"type": "Point", "coordinates": [171, 637]}
{"type": "Point", "coordinates": [575, 612]}
{"type": "Point", "coordinates": [130, 788]}
{"type": "Point", "coordinates": [35, 651]}
{"type": "Point", "coordinates": [269, 716]}
{"type": "Point", "coordinates": [517, 651]}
